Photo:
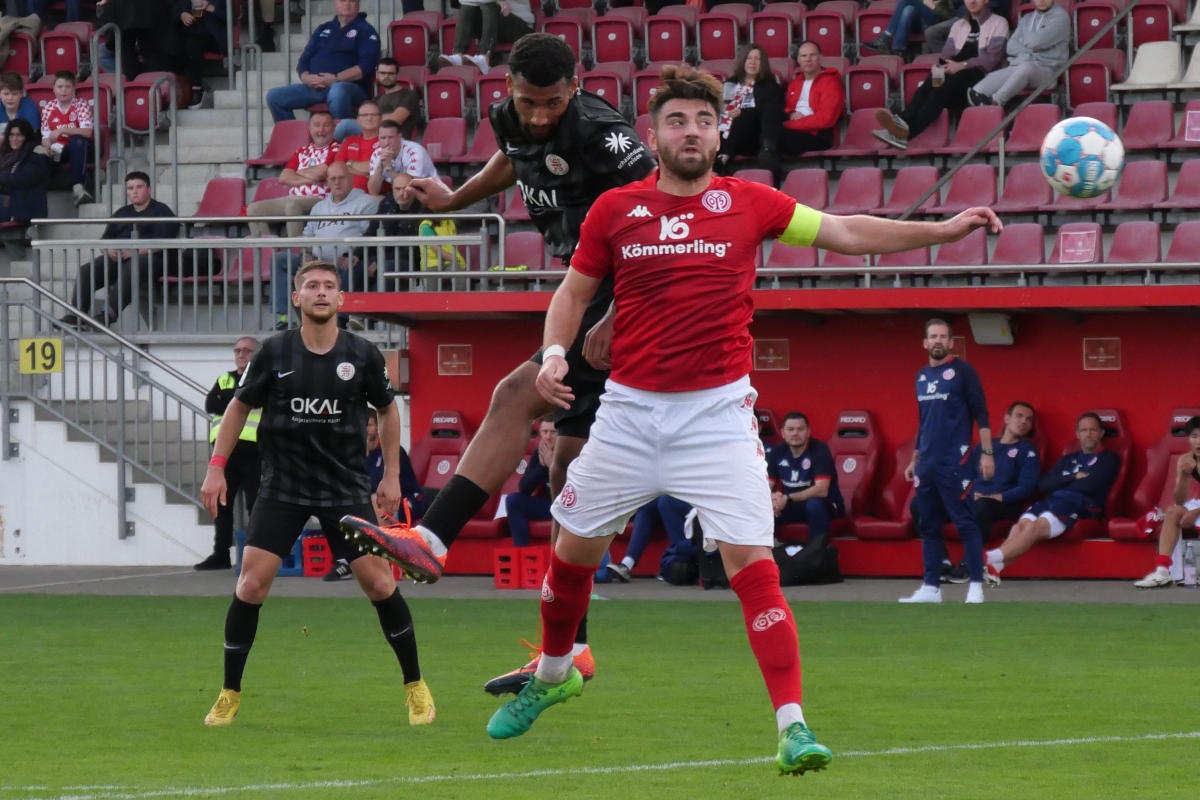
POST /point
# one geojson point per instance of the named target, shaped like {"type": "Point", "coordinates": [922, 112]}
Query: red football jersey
{"type": "Point", "coordinates": [77, 115]}
{"type": "Point", "coordinates": [358, 148]}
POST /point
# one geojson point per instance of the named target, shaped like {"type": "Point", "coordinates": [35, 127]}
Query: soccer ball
{"type": "Point", "coordinates": [1082, 157]}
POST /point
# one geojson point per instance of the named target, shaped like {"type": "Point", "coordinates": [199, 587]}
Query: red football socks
{"type": "Point", "coordinates": [772, 630]}
{"type": "Point", "coordinates": [565, 596]}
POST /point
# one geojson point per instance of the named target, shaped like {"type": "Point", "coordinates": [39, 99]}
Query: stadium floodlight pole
{"type": "Point", "coordinates": [1010, 116]}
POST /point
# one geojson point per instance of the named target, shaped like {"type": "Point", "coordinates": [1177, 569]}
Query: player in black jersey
{"type": "Point", "coordinates": [313, 386]}
{"type": "Point", "coordinates": [563, 148]}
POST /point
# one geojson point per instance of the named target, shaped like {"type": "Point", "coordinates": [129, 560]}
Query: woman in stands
{"type": "Point", "coordinates": [25, 171]}
{"type": "Point", "coordinates": [752, 117]}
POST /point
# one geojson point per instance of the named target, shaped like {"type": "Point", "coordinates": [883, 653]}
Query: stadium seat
{"type": "Point", "coordinates": [975, 123]}
{"type": "Point", "coordinates": [772, 30]}
{"type": "Point", "coordinates": [768, 426]}
{"type": "Point", "coordinates": [859, 190]}
{"type": "Point", "coordinates": [286, 138]}
{"type": "Point", "coordinates": [855, 446]}
{"type": "Point", "coordinates": [1020, 243]}
{"type": "Point", "coordinates": [604, 83]}
{"type": "Point", "coordinates": [892, 517]}
{"type": "Point", "coordinates": [414, 75]}
{"type": "Point", "coordinates": [1101, 110]}
{"type": "Point", "coordinates": [970, 251]}
{"type": "Point", "coordinates": [490, 88]}
{"type": "Point", "coordinates": [784, 255]}
{"type": "Point", "coordinates": [269, 189]}
{"type": "Point", "coordinates": [1025, 191]}
{"type": "Point", "coordinates": [635, 14]}
{"type": "Point", "coordinates": [1078, 243]}
{"type": "Point", "coordinates": [526, 249]}
{"type": "Point", "coordinates": [1135, 242]}
{"type": "Point", "coordinates": [828, 24]}
{"type": "Point", "coordinates": [1149, 126]}
{"type": "Point", "coordinates": [666, 37]}
{"type": "Point", "coordinates": [722, 68]}
{"type": "Point", "coordinates": [1142, 184]}
{"type": "Point", "coordinates": [1063, 204]}
{"type": "Point", "coordinates": [1186, 196]}
{"type": "Point", "coordinates": [570, 30]}
{"type": "Point", "coordinates": [613, 40]}
{"type": "Point", "coordinates": [514, 209]}
{"type": "Point", "coordinates": [1188, 134]}
{"type": "Point", "coordinates": [436, 455]}
{"type": "Point", "coordinates": [1089, 78]}
{"type": "Point", "coordinates": [1192, 25]}
{"type": "Point", "coordinates": [410, 41]}
{"type": "Point", "coordinates": [1117, 439]}
{"type": "Point", "coordinates": [445, 95]}
{"type": "Point", "coordinates": [1185, 243]}
{"type": "Point", "coordinates": [482, 148]}
{"type": "Point", "coordinates": [63, 48]}
{"type": "Point", "coordinates": [870, 82]}
{"type": "Point", "coordinates": [717, 35]}
{"type": "Point", "coordinates": [808, 186]}
{"type": "Point", "coordinates": [21, 47]}
{"type": "Point", "coordinates": [1090, 19]}
{"type": "Point", "coordinates": [1157, 486]}
{"type": "Point", "coordinates": [1191, 76]}
{"type": "Point", "coordinates": [446, 139]}
{"type": "Point", "coordinates": [1154, 20]}
{"type": "Point", "coordinates": [858, 140]}
{"type": "Point", "coordinates": [223, 197]}
{"type": "Point", "coordinates": [907, 188]}
{"type": "Point", "coordinates": [912, 74]}
{"type": "Point", "coordinates": [794, 11]}
{"type": "Point", "coordinates": [918, 257]}
{"type": "Point", "coordinates": [869, 24]}
{"type": "Point", "coordinates": [973, 185]}
{"type": "Point", "coordinates": [641, 126]}
{"type": "Point", "coordinates": [1155, 65]}
{"type": "Point", "coordinates": [742, 12]}
{"type": "Point", "coordinates": [756, 175]}
{"type": "Point", "coordinates": [1031, 126]}
{"type": "Point", "coordinates": [929, 141]}
{"type": "Point", "coordinates": [143, 108]}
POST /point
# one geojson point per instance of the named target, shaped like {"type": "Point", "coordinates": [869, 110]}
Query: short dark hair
{"type": "Point", "coordinates": [795, 415]}
{"type": "Point", "coordinates": [1013, 405]}
{"type": "Point", "coordinates": [12, 80]}
{"type": "Point", "coordinates": [1090, 415]}
{"type": "Point", "coordinates": [387, 61]}
{"type": "Point", "coordinates": [390, 123]}
{"type": "Point", "coordinates": [1193, 423]}
{"type": "Point", "coordinates": [543, 59]}
{"type": "Point", "coordinates": [137, 175]}
{"type": "Point", "coordinates": [316, 266]}
{"type": "Point", "coordinates": [929, 323]}
{"type": "Point", "coordinates": [681, 82]}
{"type": "Point", "coordinates": [323, 111]}
{"type": "Point", "coordinates": [65, 75]}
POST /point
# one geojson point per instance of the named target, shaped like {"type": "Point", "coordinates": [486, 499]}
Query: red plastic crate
{"type": "Point", "coordinates": [316, 556]}
{"type": "Point", "coordinates": [506, 568]}
{"type": "Point", "coordinates": [534, 562]}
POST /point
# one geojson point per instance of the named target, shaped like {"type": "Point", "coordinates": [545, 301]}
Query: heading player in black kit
{"type": "Point", "coordinates": [313, 386]}
{"type": "Point", "coordinates": [563, 148]}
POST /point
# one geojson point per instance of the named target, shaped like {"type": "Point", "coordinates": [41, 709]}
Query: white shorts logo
{"type": "Point", "coordinates": [767, 618]}
{"type": "Point", "coordinates": [716, 201]}
{"type": "Point", "coordinates": [567, 497]}
{"type": "Point", "coordinates": [345, 370]}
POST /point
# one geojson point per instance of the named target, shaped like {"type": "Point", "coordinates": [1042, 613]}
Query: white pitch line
{"type": "Point", "coordinates": [128, 793]}
{"type": "Point", "coordinates": [78, 582]}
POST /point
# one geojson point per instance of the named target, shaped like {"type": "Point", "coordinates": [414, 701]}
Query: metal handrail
{"type": "Point", "coordinates": [172, 133]}
{"type": "Point", "coordinates": [118, 101]}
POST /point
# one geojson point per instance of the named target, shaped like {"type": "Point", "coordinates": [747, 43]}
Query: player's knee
{"type": "Point", "coordinates": [517, 394]}
{"type": "Point", "coordinates": [1174, 514]}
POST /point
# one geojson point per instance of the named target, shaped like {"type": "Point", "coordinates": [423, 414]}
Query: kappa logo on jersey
{"type": "Point", "coordinates": [768, 618]}
{"type": "Point", "coordinates": [345, 370]}
{"type": "Point", "coordinates": [717, 201]}
{"type": "Point", "coordinates": [557, 164]}
{"type": "Point", "coordinates": [674, 228]}
{"type": "Point", "coordinates": [617, 143]}
{"type": "Point", "coordinates": [316, 406]}
{"type": "Point", "coordinates": [639, 211]}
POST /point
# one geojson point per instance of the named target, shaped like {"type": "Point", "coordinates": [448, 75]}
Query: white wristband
{"type": "Point", "coordinates": [553, 350]}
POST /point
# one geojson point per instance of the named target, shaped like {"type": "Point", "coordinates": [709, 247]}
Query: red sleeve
{"type": "Point", "coordinates": [343, 153]}
{"type": "Point", "coordinates": [332, 154]}
{"type": "Point", "coordinates": [773, 208]}
{"type": "Point", "coordinates": [592, 255]}
{"type": "Point", "coordinates": [294, 162]}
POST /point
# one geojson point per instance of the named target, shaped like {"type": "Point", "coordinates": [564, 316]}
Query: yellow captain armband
{"type": "Point", "coordinates": [802, 230]}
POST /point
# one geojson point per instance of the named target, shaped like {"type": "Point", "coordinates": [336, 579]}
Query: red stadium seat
{"type": "Point", "coordinates": [143, 108]}
{"type": "Point", "coordinates": [1062, 203]}
{"type": "Point", "coordinates": [970, 251]}
{"type": "Point", "coordinates": [910, 184]}
{"type": "Point", "coordinates": [773, 31]}
{"type": "Point", "coordinates": [717, 36]}
{"type": "Point", "coordinates": [446, 139]}
{"type": "Point", "coordinates": [410, 41]}
{"type": "Point", "coordinates": [859, 190]}
{"type": "Point", "coordinates": [1031, 126]}
{"type": "Point", "coordinates": [807, 186]}
{"type": "Point", "coordinates": [1142, 184]}
{"type": "Point", "coordinates": [269, 189]}
{"type": "Point", "coordinates": [1090, 19]}
{"type": "Point", "coordinates": [973, 185]}
{"type": "Point", "coordinates": [1185, 243]}
{"type": "Point", "coordinates": [613, 40]}
{"type": "Point", "coordinates": [604, 83]}
{"type": "Point", "coordinates": [436, 455]}
{"type": "Point", "coordinates": [1101, 110]}
{"type": "Point", "coordinates": [645, 84]}
{"type": "Point", "coordinates": [445, 96]}
{"type": "Point", "coordinates": [755, 175]}
{"type": "Point", "coordinates": [858, 141]}
{"type": "Point", "coordinates": [975, 123]}
{"type": "Point", "coordinates": [21, 47]}
{"type": "Point", "coordinates": [1020, 243]}
{"type": "Point", "coordinates": [918, 257]}
{"type": "Point", "coordinates": [1157, 486]}
{"type": "Point", "coordinates": [911, 75]}
{"type": "Point", "coordinates": [1025, 190]}
{"type": "Point", "coordinates": [483, 146]}
{"type": "Point", "coordinates": [223, 197]}
{"type": "Point", "coordinates": [1136, 242]}
{"type": "Point", "coordinates": [892, 517]}
{"type": "Point", "coordinates": [1154, 20]}
{"type": "Point", "coordinates": [570, 30]}
{"type": "Point", "coordinates": [514, 209]}
{"type": "Point", "coordinates": [768, 426]}
{"type": "Point", "coordinates": [742, 12]}
{"type": "Point", "coordinates": [827, 27]}
{"type": "Point", "coordinates": [1187, 189]}
{"type": "Point", "coordinates": [932, 139]}
{"type": "Point", "coordinates": [1117, 439]}
{"type": "Point", "coordinates": [666, 37]}
{"type": "Point", "coordinates": [784, 256]}
{"type": "Point", "coordinates": [1089, 78]}
{"type": "Point", "coordinates": [1078, 243]}
{"type": "Point", "coordinates": [869, 24]}
{"type": "Point", "coordinates": [286, 138]}
{"type": "Point", "coordinates": [855, 446]}
{"type": "Point", "coordinates": [1149, 126]}
{"type": "Point", "coordinates": [1188, 135]}
{"type": "Point", "coordinates": [490, 88]}
{"type": "Point", "coordinates": [526, 249]}
{"type": "Point", "coordinates": [870, 82]}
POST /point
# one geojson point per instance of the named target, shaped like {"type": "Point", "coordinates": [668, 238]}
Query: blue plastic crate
{"type": "Point", "coordinates": [293, 563]}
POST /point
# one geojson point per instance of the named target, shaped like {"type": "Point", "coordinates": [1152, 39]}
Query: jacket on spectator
{"type": "Point", "coordinates": [1041, 38]}
{"type": "Point", "coordinates": [212, 24]}
{"type": "Point", "coordinates": [356, 203]}
{"type": "Point", "coordinates": [333, 48]}
{"type": "Point", "coordinates": [26, 110]}
{"type": "Point", "coordinates": [993, 33]}
{"type": "Point", "coordinates": [24, 183]}
{"type": "Point", "coordinates": [827, 99]}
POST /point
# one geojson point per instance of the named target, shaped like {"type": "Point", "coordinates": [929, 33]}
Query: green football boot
{"type": "Point", "coordinates": [800, 752]}
{"type": "Point", "coordinates": [517, 716]}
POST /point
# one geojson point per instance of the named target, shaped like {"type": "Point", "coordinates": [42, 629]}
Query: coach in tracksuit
{"type": "Point", "coordinates": [949, 401]}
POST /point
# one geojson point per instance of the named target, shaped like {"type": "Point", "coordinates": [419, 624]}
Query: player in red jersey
{"type": "Point", "coordinates": [677, 415]}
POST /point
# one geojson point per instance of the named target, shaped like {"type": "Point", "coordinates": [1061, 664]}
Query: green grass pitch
{"type": "Point", "coordinates": [103, 697]}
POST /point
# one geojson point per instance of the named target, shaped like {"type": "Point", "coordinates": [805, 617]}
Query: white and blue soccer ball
{"type": "Point", "coordinates": [1082, 157]}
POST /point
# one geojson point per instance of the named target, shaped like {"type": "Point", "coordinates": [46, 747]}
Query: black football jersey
{"type": "Point", "coordinates": [313, 431]}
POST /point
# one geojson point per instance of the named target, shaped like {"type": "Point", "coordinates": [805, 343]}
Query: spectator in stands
{"type": "Point", "coordinates": [244, 466]}
{"type": "Point", "coordinates": [814, 106]}
{"type": "Point", "coordinates": [975, 48]}
{"type": "Point", "coordinates": [356, 151]}
{"type": "Point", "coordinates": [908, 17]}
{"type": "Point", "coordinates": [25, 172]}
{"type": "Point", "coordinates": [13, 102]}
{"type": "Point", "coordinates": [304, 175]}
{"type": "Point", "coordinates": [16, 8]}
{"type": "Point", "coordinates": [387, 79]}
{"type": "Point", "coordinates": [490, 22]}
{"type": "Point", "coordinates": [398, 212]}
{"type": "Point", "coordinates": [1037, 50]}
{"type": "Point", "coordinates": [752, 117]}
{"type": "Point", "coordinates": [114, 269]}
{"type": "Point", "coordinates": [201, 30]}
{"type": "Point", "coordinates": [1075, 488]}
{"type": "Point", "coordinates": [532, 499]}
{"type": "Point", "coordinates": [410, 489]}
{"type": "Point", "coordinates": [343, 200]}
{"type": "Point", "coordinates": [805, 479]}
{"type": "Point", "coordinates": [1182, 514]}
{"type": "Point", "coordinates": [1011, 487]}
{"type": "Point", "coordinates": [950, 402]}
{"type": "Point", "coordinates": [335, 67]}
{"type": "Point", "coordinates": [147, 34]}
{"type": "Point", "coordinates": [266, 37]}
{"type": "Point", "coordinates": [670, 514]}
{"type": "Point", "coordinates": [937, 34]}
{"type": "Point", "coordinates": [67, 132]}
{"type": "Point", "coordinates": [395, 155]}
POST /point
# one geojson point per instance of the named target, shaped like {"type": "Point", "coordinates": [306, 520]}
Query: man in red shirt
{"type": "Point", "coordinates": [357, 150]}
{"type": "Point", "coordinates": [677, 416]}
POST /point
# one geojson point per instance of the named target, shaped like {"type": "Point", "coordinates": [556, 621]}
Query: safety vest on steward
{"type": "Point", "coordinates": [249, 430]}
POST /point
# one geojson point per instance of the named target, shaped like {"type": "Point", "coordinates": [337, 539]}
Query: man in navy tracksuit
{"type": "Point", "coordinates": [1075, 488]}
{"type": "Point", "coordinates": [806, 484]}
{"type": "Point", "coordinates": [950, 402]}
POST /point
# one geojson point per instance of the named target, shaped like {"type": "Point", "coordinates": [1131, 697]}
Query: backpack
{"type": "Point", "coordinates": [805, 565]}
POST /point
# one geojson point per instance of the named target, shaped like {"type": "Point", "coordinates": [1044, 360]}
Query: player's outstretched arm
{"type": "Point", "coordinates": [496, 176]}
{"type": "Point", "coordinates": [861, 234]}
{"type": "Point", "coordinates": [562, 323]}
